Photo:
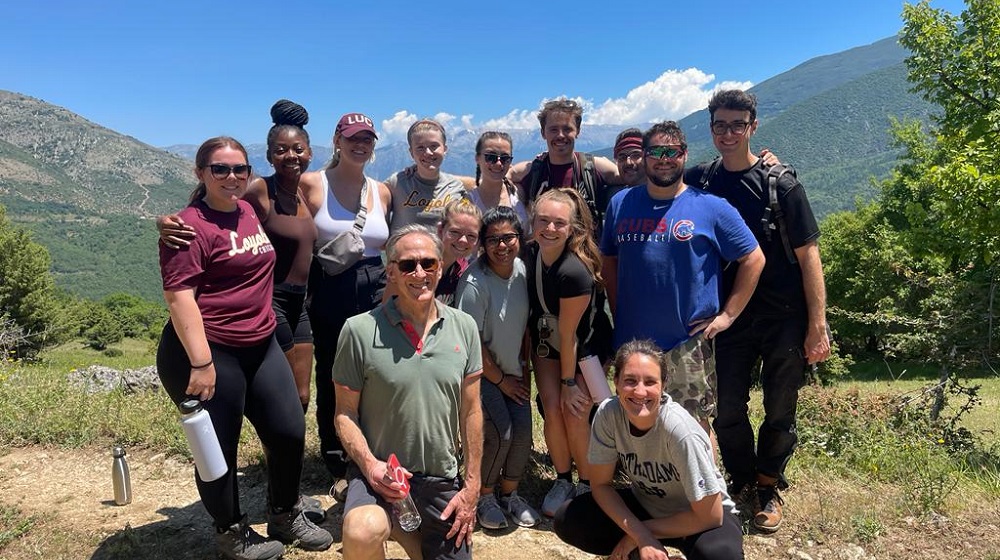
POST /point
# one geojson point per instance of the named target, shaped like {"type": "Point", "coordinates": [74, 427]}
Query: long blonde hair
{"type": "Point", "coordinates": [581, 237]}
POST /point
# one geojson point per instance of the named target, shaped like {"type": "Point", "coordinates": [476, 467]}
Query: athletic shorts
{"type": "Point", "coordinates": [293, 325]}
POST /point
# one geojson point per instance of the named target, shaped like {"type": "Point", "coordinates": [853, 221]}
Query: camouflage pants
{"type": "Point", "coordinates": [691, 380]}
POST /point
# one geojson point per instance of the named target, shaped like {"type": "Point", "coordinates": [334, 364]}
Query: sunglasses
{"type": "Point", "coordinates": [221, 171]}
{"type": "Point", "coordinates": [736, 127]}
{"type": "Point", "coordinates": [409, 266]}
{"type": "Point", "coordinates": [506, 239]}
{"type": "Point", "coordinates": [502, 158]}
{"type": "Point", "coordinates": [664, 152]}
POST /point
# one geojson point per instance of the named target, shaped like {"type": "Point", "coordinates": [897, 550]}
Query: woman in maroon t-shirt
{"type": "Point", "coordinates": [219, 347]}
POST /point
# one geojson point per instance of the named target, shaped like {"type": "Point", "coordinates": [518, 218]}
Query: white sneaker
{"type": "Point", "coordinates": [490, 514]}
{"type": "Point", "coordinates": [561, 491]}
{"type": "Point", "coordinates": [581, 489]}
{"type": "Point", "coordinates": [519, 510]}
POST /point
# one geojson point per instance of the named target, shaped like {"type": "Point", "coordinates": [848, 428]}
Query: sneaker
{"type": "Point", "coordinates": [293, 527]}
{"type": "Point", "coordinates": [240, 542]}
{"type": "Point", "coordinates": [768, 519]}
{"type": "Point", "coordinates": [313, 509]}
{"type": "Point", "coordinates": [561, 491]}
{"type": "Point", "coordinates": [489, 513]}
{"type": "Point", "coordinates": [519, 510]}
{"type": "Point", "coordinates": [581, 489]}
{"type": "Point", "coordinates": [339, 489]}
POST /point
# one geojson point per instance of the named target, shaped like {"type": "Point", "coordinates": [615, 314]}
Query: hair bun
{"type": "Point", "coordinates": [289, 112]}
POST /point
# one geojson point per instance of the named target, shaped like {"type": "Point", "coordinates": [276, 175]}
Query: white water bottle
{"type": "Point", "coordinates": [120, 477]}
{"type": "Point", "coordinates": [203, 441]}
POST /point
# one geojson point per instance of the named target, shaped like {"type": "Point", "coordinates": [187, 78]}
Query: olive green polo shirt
{"type": "Point", "coordinates": [411, 390]}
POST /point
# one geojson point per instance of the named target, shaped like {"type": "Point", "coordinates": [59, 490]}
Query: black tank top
{"type": "Point", "coordinates": [292, 236]}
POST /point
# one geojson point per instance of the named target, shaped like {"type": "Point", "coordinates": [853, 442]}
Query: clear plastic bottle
{"type": "Point", "coordinates": [203, 441]}
{"type": "Point", "coordinates": [405, 510]}
{"type": "Point", "coordinates": [120, 478]}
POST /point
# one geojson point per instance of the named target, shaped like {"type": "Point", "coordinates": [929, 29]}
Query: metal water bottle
{"type": "Point", "coordinates": [203, 441]}
{"type": "Point", "coordinates": [120, 477]}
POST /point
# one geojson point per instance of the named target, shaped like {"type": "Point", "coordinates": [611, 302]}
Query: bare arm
{"type": "Point", "coordinates": [356, 445]}
{"type": "Point", "coordinates": [256, 195]}
{"type": "Point", "coordinates": [608, 170]}
{"type": "Point", "coordinates": [609, 271]}
{"type": "Point", "coordinates": [747, 276]}
{"type": "Point", "coordinates": [817, 344]}
{"type": "Point", "coordinates": [187, 321]}
{"type": "Point", "coordinates": [463, 504]}
{"type": "Point", "coordinates": [517, 172]}
{"type": "Point", "coordinates": [574, 399]}
{"type": "Point", "coordinates": [311, 185]}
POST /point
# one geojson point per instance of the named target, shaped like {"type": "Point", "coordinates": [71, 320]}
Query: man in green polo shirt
{"type": "Point", "coordinates": [407, 376]}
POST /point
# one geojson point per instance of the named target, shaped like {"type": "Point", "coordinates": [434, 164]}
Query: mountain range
{"type": "Point", "coordinates": [88, 192]}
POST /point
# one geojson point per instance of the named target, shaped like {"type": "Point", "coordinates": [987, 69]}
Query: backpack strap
{"type": "Point", "coordinates": [535, 176]}
{"type": "Point", "coordinates": [774, 216]}
{"type": "Point", "coordinates": [585, 177]}
{"type": "Point", "coordinates": [708, 172]}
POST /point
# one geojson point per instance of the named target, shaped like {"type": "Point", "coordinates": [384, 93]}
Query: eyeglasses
{"type": "Point", "coordinates": [221, 171]}
{"type": "Point", "coordinates": [458, 234]}
{"type": "Point", "coordinates": [496, 240]}
{"type": "Point", "coordinates": [625, 157]}
{"type": "Point", "coordinates": [502, 158]}
{"type": "Point", "coordinates": [409, 266]}
{"type": "Point", "coordinates": [665, 152]}
{"type": "Point", "coordinates": [736, 127]}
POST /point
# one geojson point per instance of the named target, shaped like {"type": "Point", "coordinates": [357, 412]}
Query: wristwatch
{"type": "Point", "coordinates": [571, 382]}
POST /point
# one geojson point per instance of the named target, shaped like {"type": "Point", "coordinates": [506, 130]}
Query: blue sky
{"type": "Point", "coordinates": [182, 71]}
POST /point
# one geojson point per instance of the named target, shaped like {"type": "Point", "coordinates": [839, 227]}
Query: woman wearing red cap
{"type": "Point", "coordinates": [338, 288]}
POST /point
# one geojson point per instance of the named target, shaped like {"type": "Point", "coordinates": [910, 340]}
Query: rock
{"type": "Point", "coordinates": [798, 554]}
{"type": "Point", "coordinates": [853, 552]}
{"type": "Point", "coordinates": [101, 379]}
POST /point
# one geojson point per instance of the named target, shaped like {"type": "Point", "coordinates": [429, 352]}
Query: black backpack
{"type": "Point", "coordinates": [773, 218]}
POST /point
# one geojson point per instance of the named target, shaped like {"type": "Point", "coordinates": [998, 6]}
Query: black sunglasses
{"type": "Point", "coordinates": [502, 158]}
{"type": "Point", "coordinates": [409, 266]}
{"type": "Point", "coordinates": [221, 171]}
{"type": "Point", "coordinates": [661, 152]}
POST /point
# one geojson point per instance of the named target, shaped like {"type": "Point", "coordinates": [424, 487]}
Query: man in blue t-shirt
{"type": "Point", "coordinates": [664, 247]}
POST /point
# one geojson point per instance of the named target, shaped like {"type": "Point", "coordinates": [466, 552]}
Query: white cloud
{"type": "Point", "coordinates": [672, 96]}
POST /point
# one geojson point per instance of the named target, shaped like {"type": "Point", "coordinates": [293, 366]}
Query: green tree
{"type": "Point", "coordinates": [29, 301]}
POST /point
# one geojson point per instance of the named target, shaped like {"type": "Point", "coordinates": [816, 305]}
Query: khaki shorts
{"type": "Point", "coordinates": [691, 380]}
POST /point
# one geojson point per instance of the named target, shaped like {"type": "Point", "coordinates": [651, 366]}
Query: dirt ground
{"type": "Point", "coordinates": [67, 495]}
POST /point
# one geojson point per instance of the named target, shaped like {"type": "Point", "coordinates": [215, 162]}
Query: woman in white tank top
{"type": "Point", "coordinates": [333, 197]}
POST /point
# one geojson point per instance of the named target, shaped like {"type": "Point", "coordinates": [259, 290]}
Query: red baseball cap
{"type": "Point", "coordinates": [353, 123]}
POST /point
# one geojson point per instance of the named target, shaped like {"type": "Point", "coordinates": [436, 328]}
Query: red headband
{"type": "Point", "coordinates": [628, 143]}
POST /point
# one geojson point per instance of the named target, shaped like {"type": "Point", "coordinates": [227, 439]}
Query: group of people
{"type": "Point", "coordinates": [429, 301]}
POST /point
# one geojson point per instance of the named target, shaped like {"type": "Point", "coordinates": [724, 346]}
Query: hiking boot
{"type": "Point", "coordinates": [240, 542]}
{"type": "Point", "coordinates": [489, 513]}
{"type": "Point", "coordinates": [580, 489]}
{"type": "Point", "coordinates": [768, 519]}
{"type": "Point", "coordinates": [313, 509]}
{"type": "Point", "coordinates": [293, 527]}
{"type": "Point", "coordinates": [519, 510]}
{"type": "Point", "coordinates": [339, 489]}
{"type": "Point", "coordinates": [745, 500]}
{"type": "Point", "coordinates": [561, 491]}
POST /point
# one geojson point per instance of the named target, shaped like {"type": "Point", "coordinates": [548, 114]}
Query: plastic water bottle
{"type": "Point", "coordinates": [120, 477]}
{"type": "Point", "coordinates": [407, 514]}
{"type": "Point", "coordinates": [203, 441]}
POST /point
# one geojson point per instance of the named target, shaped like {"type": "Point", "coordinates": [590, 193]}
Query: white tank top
{"type": "Point", "coordinates": [333, 219]}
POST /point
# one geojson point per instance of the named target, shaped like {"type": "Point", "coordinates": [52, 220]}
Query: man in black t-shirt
{"type": "Point", "coordinates": [784, 324]}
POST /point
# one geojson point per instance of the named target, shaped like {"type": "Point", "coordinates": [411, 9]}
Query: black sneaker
{"type": "Point", "coordinates": [293, 527]}
{"type": "Point", "coordinates": [313, 509]}
{"type": "Point", "coordinates": [240, 542]}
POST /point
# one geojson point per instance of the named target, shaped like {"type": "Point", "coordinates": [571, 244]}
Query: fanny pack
{"type": "Point", "coordinates": [347, 247]}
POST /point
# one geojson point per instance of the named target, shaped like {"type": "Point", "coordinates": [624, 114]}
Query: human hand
{"type": "Point", "coordinates": [770, 160]}
{"type": "Point", "coordinates": [201, 384]}
{"type": "Point", "coordinates": [174, 233]}
{"type": "Point", "coordinates": [514, 388]}
{"type": "Point", "coordinates": [574, 400]}
{"type": "Point", "coordinates": [381, 481]}
{"type": "Point", "coordinates": [817, 345]}
{"type": "Point", "coordinates": [463, 506]}
{"type": "Point", "coordinates": [712, 325]}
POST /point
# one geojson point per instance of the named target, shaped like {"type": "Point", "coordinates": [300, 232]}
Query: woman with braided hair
{"type": "Point", "coordinates": [494, 152]}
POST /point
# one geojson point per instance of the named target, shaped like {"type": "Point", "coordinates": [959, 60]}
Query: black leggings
{"type": "Point", "coordinates": [255, 382]}
{"type": "Point", "coordinates": [331, 301]}
{"type": "Point", "coordinates": [583, 524]}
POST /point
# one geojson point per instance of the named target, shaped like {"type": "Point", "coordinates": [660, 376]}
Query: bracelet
{"type": "Point", "coordinates": [203, 366]}
{"type": "Point", "coordinates": [502, 377]}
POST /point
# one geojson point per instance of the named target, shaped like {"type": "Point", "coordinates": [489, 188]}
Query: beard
{"type": "Point", "coordinates": [668, 181]}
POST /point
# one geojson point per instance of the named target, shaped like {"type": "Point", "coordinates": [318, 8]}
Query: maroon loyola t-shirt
{"type": "Point", "coordinates": [229, 266]}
